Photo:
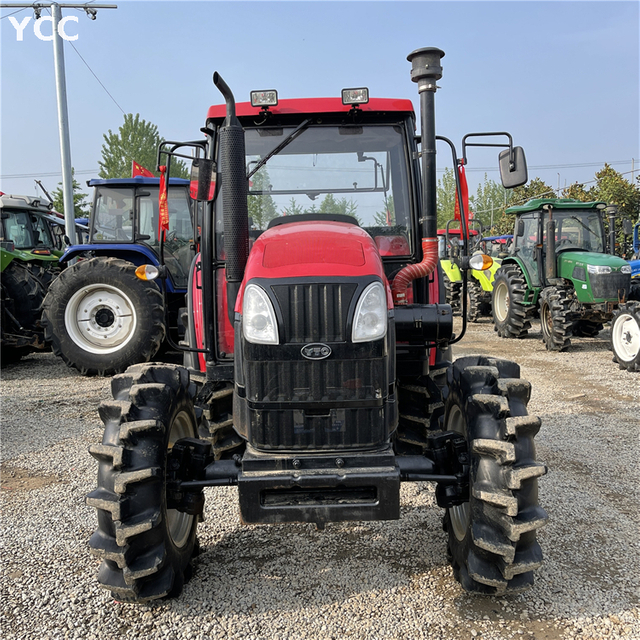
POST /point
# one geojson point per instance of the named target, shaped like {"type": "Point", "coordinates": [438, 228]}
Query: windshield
{"type": "Point", "coordinates": [579, 229]}
{"type": "Point", "coordinates": [113, 221]}
{"type": "Point", "coordinates": [26, 230]}
{"type": "Point", "coordinates": [360, 171]}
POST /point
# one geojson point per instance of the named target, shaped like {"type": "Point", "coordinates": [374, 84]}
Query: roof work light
{"type": "Point", "coordinates": [355, 96]}
{"type": "Point", "coordinates": [264, 99]}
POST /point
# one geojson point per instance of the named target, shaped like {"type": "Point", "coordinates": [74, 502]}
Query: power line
{"type": "Point", "coordinates": [92, 71]}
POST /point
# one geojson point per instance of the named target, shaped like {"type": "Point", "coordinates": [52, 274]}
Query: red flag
{"type": "Point", "coordinates": [464, 189]}
{"type": "Point", "coordinates": [138, 170]}
{"type": "Point", "coordinates": [163, 207]}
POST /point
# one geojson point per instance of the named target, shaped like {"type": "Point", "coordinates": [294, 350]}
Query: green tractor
{"type": "Point", "coordinates": [29, 254]}
{"type": "Point", "coordinates": [557, 267]}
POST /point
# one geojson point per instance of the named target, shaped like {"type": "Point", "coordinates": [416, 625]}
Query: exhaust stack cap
{"type": "Point", "coordinates": [425, 67]}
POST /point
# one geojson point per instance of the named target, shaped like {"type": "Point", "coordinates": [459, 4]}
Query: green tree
{"type": "Point", "coordinates": [346, 207]}
{"type": "Point", "coordinates": [446, 197]}
{"type": "Point", "coordinates": [262, 208]}
{"type": "Point", "coordinates": [293, 208]}
{"type": "Point", "coordinates": [490, 201]}
{"type": "Point", "coordinates": [535, 188]}
{"type": "Point", "coordinates": [386, 217]}
{"type": "Point", "coordinates": [613, 189]}
{"type": "Point", "coordinates": [80, 205]}
{"type": "Point", "coordinates": [136, 140]}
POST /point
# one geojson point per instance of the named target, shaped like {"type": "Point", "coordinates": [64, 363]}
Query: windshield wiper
{"type": "Point", "coordinates": [290, 138]}
{"type": "Point", "coordinates": [593, 233]}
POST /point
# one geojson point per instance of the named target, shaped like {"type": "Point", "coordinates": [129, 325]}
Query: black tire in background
{"type": "Point", "coordinates": [625, 336]}
{"type": "Point", "coordinates": [21, 299]}
{"type": "Point", "coordinates": [507, 303]}
{"type": "Point", "coordinates": [101, 318]}
{"type": "Point", "coordinates": [145, 548]}
{"type": "Point", "coordinates": [492, 543]}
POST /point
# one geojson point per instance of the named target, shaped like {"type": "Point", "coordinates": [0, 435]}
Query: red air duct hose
{"type": "Point", "coordinates": [413, 271]}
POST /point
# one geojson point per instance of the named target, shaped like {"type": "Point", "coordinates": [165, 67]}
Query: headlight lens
{"type": "Point", "coordinates": [258, 317]}
{"type": "Point", "coordinates": [370, 320]}
{"type": "Point", "coordinates": [625, 268]}
{"type": "Point", "coordinates": [598, 268]}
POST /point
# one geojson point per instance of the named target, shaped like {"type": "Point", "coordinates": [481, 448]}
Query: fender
{"type": "Point", "coordinates": [135, 253]}
{"type": "Point", "coordinates": [531, 296]}
{"type": "Point", "coordinates": [451, 270]}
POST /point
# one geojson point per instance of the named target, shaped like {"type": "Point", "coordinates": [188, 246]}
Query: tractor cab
{"type": "Point", "coordinates": [125, 213]}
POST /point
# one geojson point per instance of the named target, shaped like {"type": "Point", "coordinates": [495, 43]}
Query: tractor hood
{"type": "Point", "coordinates": [585, 258]}
{"type": "Point", "coordinates": [314, 249]}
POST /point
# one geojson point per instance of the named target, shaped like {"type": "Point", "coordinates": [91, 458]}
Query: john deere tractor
{"type": "Point", "coordinates": [557, 268]}
{"type": "Point", "coordinates": [28, 263]}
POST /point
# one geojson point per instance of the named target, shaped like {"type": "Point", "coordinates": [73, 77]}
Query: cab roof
{"type": "Point", "coordinates": [25, 202]}
{"type": "Point", "coordinates": [308, 106]}
{"type": "Point", "coordinates": [558, 203]}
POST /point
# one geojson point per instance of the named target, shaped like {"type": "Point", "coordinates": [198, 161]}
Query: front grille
{"type": "Point", "coordinates": [314, 312]}
{"type": "Point", "coordinates": [315, 381]}
{"type": "Point", "coordinates": [610, 286]}
{"type": "Point", "coordinates": [338, 429]}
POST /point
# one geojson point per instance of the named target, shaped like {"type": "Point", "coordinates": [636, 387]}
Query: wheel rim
{"type": "Point", "coordinates": [178, 523]}
{"type": "Point", "coordinates": [100, 319]}
{"type": "Point", "coordinates": [626, 337]}
{"type": "Point", "coordinates": [460, 514]}
{"type": "Point", "coordinates": [501, 305]}
{"type": "Point", "coordinates": [545, 319]}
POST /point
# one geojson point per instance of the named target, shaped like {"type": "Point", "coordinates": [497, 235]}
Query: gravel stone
{"type": "Point", "coordinates": [361, 580]}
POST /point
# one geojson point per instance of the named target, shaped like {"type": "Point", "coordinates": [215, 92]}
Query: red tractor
{"type": "Point", "coordinates": [318, 373]}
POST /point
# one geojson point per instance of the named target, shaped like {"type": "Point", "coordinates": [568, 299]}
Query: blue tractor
{"type": "Point", "coordinates": [625, 324]}
{"type": "Point", "coordinates": [98, 315]}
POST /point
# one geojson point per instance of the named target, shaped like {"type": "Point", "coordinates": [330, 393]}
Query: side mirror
{"type": "Point", "coordinates": [627, 227]}
{"type": "Point", "coordinates": [513, 173]}
{"type": "Point", "coordinates": [520, 228]}
{"type": "Point", "coordinates": [203, 179]}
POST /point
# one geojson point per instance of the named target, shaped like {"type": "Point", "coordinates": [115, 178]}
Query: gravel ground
{"type": "Point", "coordinates": [352, 580]}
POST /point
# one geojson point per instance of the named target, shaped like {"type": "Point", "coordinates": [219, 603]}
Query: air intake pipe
{"type": "Point", "coordinates": [234, 195]}
{"type": "Point", "coordinates": [425, 70]}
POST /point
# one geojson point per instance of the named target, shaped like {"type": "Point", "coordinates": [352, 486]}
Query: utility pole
{"type": "Point", "coordinates": [61, 95]}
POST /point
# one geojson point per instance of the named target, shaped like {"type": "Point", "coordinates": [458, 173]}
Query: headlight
{"type": "Point", "coordinates": [598, 268]}
{"type": "Point", "coordinates": [370, 320]}
{"type": "Point", "coordinates": [258, 317]}
{"type": "Point", "coordinates": [625, 268]}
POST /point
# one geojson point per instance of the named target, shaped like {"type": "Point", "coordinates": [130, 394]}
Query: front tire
{"type": "Point", "coordinates": [145, 547]}
{"type": "Point", "coordinates": [492, 543]}
{"type": "Point", "coordinates": [101, 318]}
{"type": "Point", "coordinates": [507, 303]}
{"type": "Point", "coordinates": [625, 336]}
{"type": "Point", "coordinates": [555, 318]}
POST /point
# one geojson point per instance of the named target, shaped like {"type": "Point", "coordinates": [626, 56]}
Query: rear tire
{"type": "Point", "coordinates": [625, 336]}
{"type": "Point", "coordinates": [22, 297]}
{"type": "Point", "coordinates": [145, 548]}
{"type": "Point", "coordinates": [555, 318]}
{"type": "Point", "coordinates": [101, 318]}
{"type": "Point", "coordinates": [492, 543]}
{"type": "Point", "coordinates": [509, 312]}
{"type": "Point", "coordinates": [587, 328]}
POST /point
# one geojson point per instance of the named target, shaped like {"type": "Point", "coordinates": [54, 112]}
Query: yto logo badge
{"type": "Point", "coordinates": [316, 351]}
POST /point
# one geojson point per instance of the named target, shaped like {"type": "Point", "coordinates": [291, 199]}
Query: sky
{"type": "Point", "coordinates": [562, 77]}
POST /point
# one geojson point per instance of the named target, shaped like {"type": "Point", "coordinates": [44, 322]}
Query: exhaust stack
{"type": "Point", "coordinates": [425, 70]}
{"type": "Point", "coordinates": [234, 195]}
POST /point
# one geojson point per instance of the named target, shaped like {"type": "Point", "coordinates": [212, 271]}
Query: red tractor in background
{"type": "Point", "coordinates": [318, 373]}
